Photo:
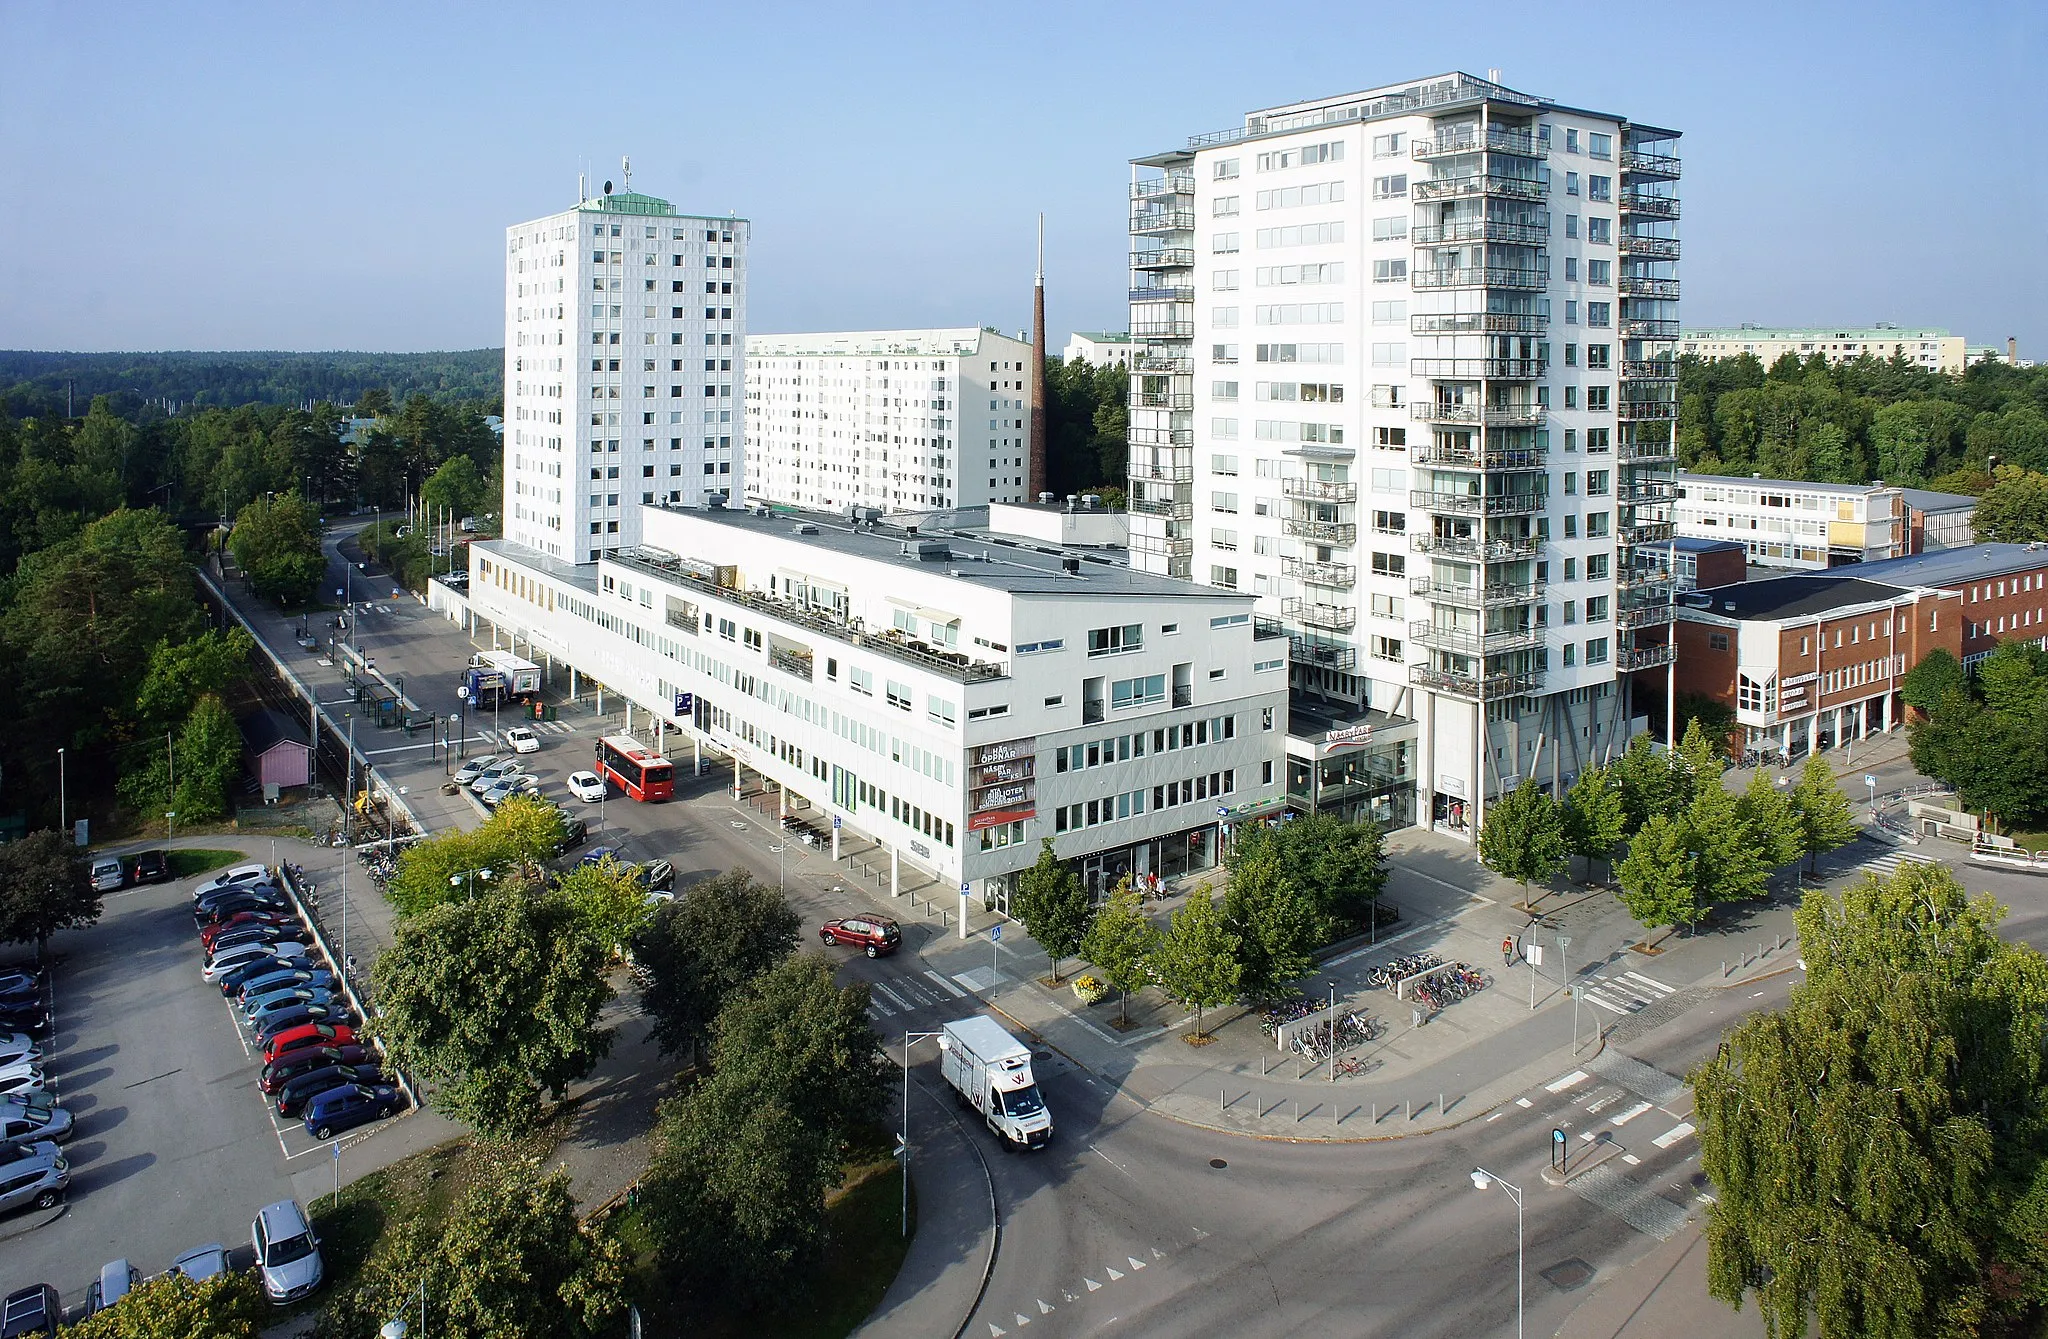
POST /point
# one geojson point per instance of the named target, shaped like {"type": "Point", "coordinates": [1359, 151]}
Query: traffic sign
{"type": "Point", "coordinates": [995, 933]}
{"type": "Point", "coordinates": [965, 890]}
{"type": "Point", "coordinates": [1870, 780]}
{"type": "Point", "coordinates": [835, 820]}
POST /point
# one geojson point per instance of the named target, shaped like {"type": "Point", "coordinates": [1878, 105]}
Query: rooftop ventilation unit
{"type": "Point", "coordinates": [1071, 566]}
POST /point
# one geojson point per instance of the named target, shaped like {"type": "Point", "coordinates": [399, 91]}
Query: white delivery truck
{"type": "Point", "coordinates": [991, 1071]}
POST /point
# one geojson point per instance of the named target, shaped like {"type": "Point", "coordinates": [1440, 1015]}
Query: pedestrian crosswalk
{"type": "Point", "coordinates": [1624, 992]}
{"type": "Point", "coordinates": [1885, 866]}
{"type": "Point", "coordinates": [538, 727]}
{"type": "Point", "coordinates": [892, 995]}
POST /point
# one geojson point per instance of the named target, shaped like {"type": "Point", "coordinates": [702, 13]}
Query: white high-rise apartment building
{"type": "Point", "coordinates": [625, 340]}
{"type": "Point", "coordinates": [890, 420]}
{"type": "Point", "coordinates": [1411, 384]}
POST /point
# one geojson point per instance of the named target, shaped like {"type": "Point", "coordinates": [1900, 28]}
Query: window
{"type": "Point", "coordinates": [899, 695]}
{"type": "Point", "coordinates": [1224, 281]}
{"type": "Point", "coordinates": [1139, 692]}
{"type": "Point", "coordinates": [1571, 183]}
{"type": "Point", "coordinates": [1389, 564]}
{"type": "Point", "coordinates": [1390, 522]}
{"type": "Point", "coordinates": [1571, 225]}
{"type": "Point", "coordinates": [1597, 397]}
{"type": "Point", "coordinates": [1224, 577]}
{"type": "Point", "coordinates": [1390, 229]}
{"type": "Point", "coordinates": [1224, 207]}
{"type": "Point", "coordinates": [1223, 390]}
{"type": "Point", "coordinates": [1223, 243]}
{"type": "Point", "coordinates": [1717, 641]}
{"type": "Point", "coordinates": [1390, 188]}
{"type": "Point", "coordinates": [1596, 651]}
{"type": "Point", "coordinates": [1596, 314]}
{"type": "Point", "coordinates": [1116, 640]}
{"type": "Point", "coordinates": [1599, 145]}
{"type": "Point", "coordinates": [1600, 272]}
{"type": "Point", "coordinates": [1386, 648]}
{"type": "Point", "coordinates": [1386, 606]}
{"type": "Point", "coordinates": [1223, 465]}
{"type": "Point", "coordinates": [1599, 356]}
{"type": "Point", "coordinates": [1571, 141]}
{"type": "Point", "coordinates": [1390, 271]}
{"type": "Point", "coordinates": [1596, 609]}
{"type": "Point", "coordinates": [1389, 313]}
{"type": "Point", "coordinates": [1223, 502]}
{"type": "Point", "coordinates": [1224, 169]}
{"type": "Point", "coordinates": [1599, 188]}
{"type": "Point", "coordinates": [1389, 146]}
{"type": "Point", "coordinates": [1600, 230]}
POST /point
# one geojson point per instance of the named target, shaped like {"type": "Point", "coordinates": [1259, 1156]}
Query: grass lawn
{"type": "Point", "coordinates": [187, 861]}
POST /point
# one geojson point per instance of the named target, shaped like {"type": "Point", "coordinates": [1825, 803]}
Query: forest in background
{"type": "Point", "coordinates": [38, 383]}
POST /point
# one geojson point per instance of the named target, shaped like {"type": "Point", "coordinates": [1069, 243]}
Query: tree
{"type": "Point", "coordinates": [209, 752]}
{"type": "Point", "coordinates": [700, 949]}
{"type": "Point", "coordinates": [495, 999]}
{"type": "Point", "coordinates": [1197, 959]}
{"type": "Point", "coordinates": [277, 543]}
{"type": "Point", "coordinates": [1726, 864]}
{"type": "Point", "coordinates": [454, 866]}
{"type": "Point", "coordinates": [1769, 825]}
{"type": "Point", "coordinates": [173, 1306]}
{"type": "Point", "coordinates": [180, 673]}
{"type": "Point", "coordinates": [790, 1036]}
{"type": "Point", "coordinates": [2015, 509]}
{"type": "Point", "coordinates": [1697, 763]}
{"type": "Point", "coordinates": [2013, 681]}
{"type": "Point", "coordinates": [1053, 905]}
{"type": "Point", "coordinates": [1936, 676]}
{"type": "Point", "coordinates": [1656, 876]}
{"type": "Point", "coordinates": [609, 897]}
{"type": "Point", "coordinates": [1822, 811]}
{"type": "Point", "coordinates": [1278, 929]}
{"type": "Point", "coordinates": [509, 1259]}
{"type": "Point", "coordinates": [44, 888]}
{"type": "Point", "coordinates": [1121, 943]}
{"type": "Point", "coordinates": [1715, 719]}
{"type": "Point", "coordinates": [457, 486]}
{"type": "Point", "coordinates": [1523, 838]}
{"type": "Point", "coordinates": [1877, 1146]}
{"type": "Point", "coordinates": [1339, 867]}
{"type": "Point", "coordinates": [1644, 774]}
{"type": "Point", "coordinates": [1595, 815]}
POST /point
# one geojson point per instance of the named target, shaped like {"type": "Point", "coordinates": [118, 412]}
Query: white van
{"type": "Point", "coordinates": [106, 874]}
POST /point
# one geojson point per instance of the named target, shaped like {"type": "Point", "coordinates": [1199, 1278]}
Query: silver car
{"type": "Point", "coordinates": [505, 787]}
{"type": "Point", "coordinates": [492, 774]}
{"type": "Point", "coordinates": [39, 1181]}
{"type": "Point", "coordinates": [476, 767]}
{"type": "Point", "coordinates": [32, 1126]}
{"type": "Point", "coordinates": [202, 1262]}
{"type": "Point", "coordinates": [287, 1252]}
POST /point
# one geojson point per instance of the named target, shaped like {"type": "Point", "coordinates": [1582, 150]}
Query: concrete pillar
{"type": "Point", "coordinates": [1808, 724]}
{"type": "Point", "coordinates": [895, 884]}
{"type": "Point", "coordinates": [835, 841]}
{"type": "Point", "coordinates": [661, 736]}
{"type": "Point", "coordinates": [1884, 713]}
{"type": "Point", "coordinates": [600, 699]}
{"type": "Point", "coordinates": [696, 754]}
{"type": "Point", "coordinates": [573, 685]}
{"type": "Point", "coordinates": [781, 802]}
{"type": "Point", "coordinates": [735, 776]}
{"type": "Point", "coordinates": [629, 715]}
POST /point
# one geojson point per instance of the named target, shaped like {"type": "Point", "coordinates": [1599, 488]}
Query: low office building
{"type": "Point", "coordinates": [1787, 523]}
{"type": "Point", "coordinates": [1940, 520]}
{"type": "Point", "coordinates": [1933, 350]}
{"type": "Point", "coordinates": [887, 420]}
{"type": "Point", "coordinates": [2003, 589]}
{"type": "Point", "coordinates": [1104, 348]}
{"type": "Point", "coordinates": [1701, 563]}
{"type": "Point", "coordinates": [948, 692]}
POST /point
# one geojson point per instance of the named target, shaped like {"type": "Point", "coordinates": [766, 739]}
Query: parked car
{"type": "Point", "coordinates": [16, 1046]}
{"type": "Point", "coordinates": [258, 888]}
{"type": "Point", "coordinates": [35, 1125]}
{"type": "Point", "coordinates": [586, 786]}
{"type": "Point", "coordinates": [257, 934]}
{"type": "Point", "coordinates": [656, 876]}
{"type": "Point", "coordinates": [346, 1107]}
{"type": "Point", "coordinates": [492, 774]}
{"type": "Point", "coordinates": [33, 1181]}
{"type": "Point", "coordinates": [117, 1278]}
{"type": "Point", "coordinates": [27, 1081]}
{"type": "Point", "coordinates": [875, 935]}
{"type": "Point", "coordinates": [597, 855]}
{"type": "Point", "coordinates": [240, 874]}
{"type": "Point", "coordinates": [149, 867]}
{"type": "Point", "coordinates": [282, 1002]}
{"type": "Point", "coordinates": [287, 1019]}
{"type": "Point", "coordinates": [476, 767]}
{"type": "Point", "coordinates": [16, 1103]}
{"type": "Point", "coordinates": [314, 1032]}
{"type": "Point", "coordinates": [262, 899]}
{"type": "Point", "coordinates": [108, 873]}
{"type": "Point", "coordinates": [505, 787]}
{"type": "Point", "coordinates": [33, 1019]}
{"type": "Point", "coordinates": [284, 979]}
{"type": "Point", "coordinates": [211, 934]}
{"type": "Point", "coordinates": [202, 1262]}
{"type": "Point", "coordinates": [20, 987]}
{"type": "Point", "coordinates": [228, 959]}
{"type": "Point", "coordinates": [32, 1310]}
{"type": "Point", "coordinates": [29, 1152]}
{"type": "Point", "coordinates": [232, 983]}
{"type": "Point", "coordinates": [522, 740]}
{"type": "Point", "coordinates": [290, 1065]}
{"type": "Point", "coordinates": [287, 1252]}
{"type": "Point", "coordinates": [293, 1097]}
{"type": "Point", "coordinates": [23, 1066]}
{"type": "Point", "coordinates": [575, 832]}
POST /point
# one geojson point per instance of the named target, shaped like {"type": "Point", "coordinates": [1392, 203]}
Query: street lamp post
{"type": "Point", "coordinates": [1564, 968]}
{"type": "Point", "coordinates": [903, 1141]}
{"type": "Point", "coordinates": [1483, 1179]}
{"type": "Point", "coordinates": [63, 806]}
{"type": "Point", "coordinates": [778, 847]}
{"type": "Point", "coordinates": [469, 876]}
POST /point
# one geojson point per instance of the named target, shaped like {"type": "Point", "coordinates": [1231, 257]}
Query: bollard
{"type": "Point", "coordinates": [1375, 1113]}
{"type": "Point", "coordinates": [1781, 941]}
{"type": "Point", "coordinates": [1297, 1111]}
{"type": "Point", "coordinates": [1411, 1108]}
{"type": "Point", "coordinates": [1221, 1105]}
{"type": "Point", "coordinates": [1724, 967]}
{"type": "Point", "coordinates": [1439, 1104]}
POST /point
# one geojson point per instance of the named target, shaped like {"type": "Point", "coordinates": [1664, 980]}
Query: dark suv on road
{"type": "Point", "coordinates": [150, 867]}
{"type": "Point", "coordinates": [875, 935]}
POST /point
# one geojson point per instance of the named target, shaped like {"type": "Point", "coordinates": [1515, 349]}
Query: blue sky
{"type": "Point", "coordinates": [234, 176]}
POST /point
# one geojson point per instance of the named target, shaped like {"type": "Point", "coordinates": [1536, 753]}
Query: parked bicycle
{"type": "Point", "coordinates": [1391, 974]}
{"type": "Point", "coordinates": [1351, 1066]}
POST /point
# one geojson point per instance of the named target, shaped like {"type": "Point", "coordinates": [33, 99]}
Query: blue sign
{"type": "Point", "coordinates": [835, 820]}
{"type": "Point", "coordinates": [964, 890]}
{"type": "Point", "coordinates": [995, 934]}
{"type": "Point", "coordinates": [685, 703]}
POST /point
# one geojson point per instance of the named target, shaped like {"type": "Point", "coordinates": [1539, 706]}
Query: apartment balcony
{"type": "Point", "coordinates": [1495, 139]}
{"type": "Point", "coordinates": [1472, 641]}
{"type": "Point", "coordinates": [1645, 583]}
{"type": "Point", "coordinates": [1164, 293]}
{"type": "Point", "coordinates": [1643, 204]}
{"type": "Point", "coordinates": [1645, 616]}
{"type": "Point", "coordinates": [1162, 399]}
{"type": "Point", "coordinates": [1475, 596]}
{"type": "Point", "coordinates": [1657, 166]}
{"type": "Point", "coordinates": [1178, 509]}
{"type": "Point", "coordinates": [1265, 628]}
{"type": "Point", "coordinates": [1166, 546]}
{"type": "Point", "coordinates": [1475, 686]}
{"type": "Point", "coordinates": [1645, 657]}
{"type": "Point", "coordinates": [1477, 548]}
{"type": "Point", "coordinates": [1479, 276]}
{"type": "Point", "coordinates": [1147, 222]}
{"type": "Point", "coordinates": [1162, 437]}
{"type": "Point", "coordinates": [1457, 232]}
{"type": "Point", "coordinates": [1648, 328]}
{"type": "Point", "coordinates": [1308, 650]}
{"type": "Point", "coordinates": [1478, 323]}
{"type": "Point", "coordinates": [1638, 286]}
{"type": "Point", "coordinates": [1477, 504]}
{"type": "Point", "coordinates": [1645, 411]}
{"type": "Point", "coordinates": [1495, 416]}
{"type": "Point", "coordinates": [1456, 456]}
{"type": "Point", "coordinates": [1173, 183]}
{"type": "Point", "coordinates": [1645, 452]}
{"type": "Point", "coordinates": [1480, 369]}
{"type": "Point", "coordinates": [1147, 472]}
{"type": "Point", "coordinates": [1650, 369]}
{"type": "Point", "coordinates": [1162, 330]}
{"type": "Point", "coordinates": [1652, 491]}
{"type": "Point", "coordinates": [1647, 532]}
{"type": "Point", "coordinates": [1164, 258]}
{"type": "Point", "coordinates": [1639, 247]}
{"type": "Point", "coordinates": [1480, 186]}
{"type": "Point", "coordinates": [1157, 364]}
{"type": "Point", "coordinates": [1339, 576]}
{"type": "Point", "coordinates": [1312, 614]}
{"type": "Point", "coordinates": [1338, 534]}
{"type": "Point", "coordinates": [1319, 490]}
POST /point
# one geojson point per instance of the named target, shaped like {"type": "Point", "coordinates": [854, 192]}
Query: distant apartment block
{"type": "Point", "coordinates": [1103, 348]}
{"type": "Point", "coordinates": [1790, 523]}
{"type": "Point", "coordinates": [625, 328]}
{"type": "Point", "coordinates": [1933, 349]}
{"type": "Point", "coordinates": [887, 420]}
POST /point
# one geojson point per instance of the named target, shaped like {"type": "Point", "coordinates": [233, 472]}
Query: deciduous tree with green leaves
{"type": "Point", "coordinates": [1523, 838]}
{"type": "Point", "coordinates": [1768, 823]}
{"type": "Point", "coordinates": [1644, 773]}
{"type": "Point", "coordinates": [1339, 867]}
{"type": "Point", "coordinates": [1936, 676]}
{"type": "Point", "coordinates": [1877, 1147]}
{"type": "Point", "coordinates": [1726, 864]}
{"type": "Point", "coordinates": [1278, 929]}
{"type": "Point", "coordinates": [496, 1000]}
{"type": "Point", "coordinates": [1053, 905]}
{"type": "Point", "coordinates": [209, 752]}
{"type": "Point", "coordinates": [276, 541]}
{"type": "Point", "coordinates": [519, 836]}
{"type": "Point", "coordinates": [1822, 811]}
{"type": "Point", "coordinates": [1656, 876]}
{"type": "Point", "coordinates": [610, 898]}
{"type": "Point", "coordinates": [1122, 942]}
{"type": "Point", "coordinates": [1595, 815]}
{"type": "Point", "coordinates": [700, 949]}
{"type": "Point", "coordinates": [44, 888]}
{"type": "Point", "coordinates": [1197, 961]}
{"type": "Point", "coordinates": [172, 1306]}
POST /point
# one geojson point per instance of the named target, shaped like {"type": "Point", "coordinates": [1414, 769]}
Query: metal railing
{"type": "Point", "coordinates": [1472, 641]}
{"type": "Point", "coordinates": [1482, 687]}
{"type": "Point", "coordinates": [1640, 163]}
{"type": "Point", "coordinates": [1480, 184]}
{"type": "Point", "coordinates": [1319, 490]}
{"type": "Point", "coordinates": [1645, 205]}
{"type": "Point", "coordinates": [1478, 548]}
{"type": "Point", "coordinates": [1478, 323]}
{"type": "Point", "coordinates": [1335, 617]}
{"type": "Point", "coordinates": [1495, 139]}
{"type": "Point", "coordinates": [1632, 451]}
{"type": "Point", "coordinates": [1164, 258]}
{"type": "Point", "coordinates": [1643, 327]}
{"type": "Point", "coordinates": [1163, 474]}
{"type": "Point", "coordinates": [1476, 504]}
{"type": "Point", "coordinates": [1153, 365]}
{"type": "Point", "coordinates": [1329, 655]}
{"type": "Point", "coordinates": [1163, 220]}
{"type": "Point", "coordinates": [1162, 330]}
{"type": "Point", "coordinates": [1646, 532]}
{"type": "Point", "coordinates": [1169, 546]}
{"type": "Point", "coordinates": [1342, 534]}
{"type": "Point", "coordinates": [1456, 456]}
{"type": "Point", "coordinates": [1173, 183]}
{"type": "Point", "coordinates": [1455, 232]}
{"type": "Point", "coordinates": [1179, 509]}
{"type": "Point", "coordinates": [1641, 286]}
{"type": "Point", "coordinates": [1647, 248]}
{"type": "Point", "coordinates": [1495, 416]}
{"type": "Point", "coordinates": [1644, 616]}
{"type": "Point", "coordinates": [1476, 596]}
{"type": "Point", "coordinates": [1155, 437]}
{"type": "Point", "coordinates": [1474, 369]}
{"type": "Point", "coordinates": [1479, 276]}
{"type": "Point", "coordinates": [1163, 293]}
{"type": "Point", "coordinates": [1342, 576]}
{"type": "Point", "coordinates": [1157, 400]}
{"type": "Point", "coordinates": [1645, 657]}
{"type": "Point", "coordinates": [1649, 369]}
{"type": "Point", "coordinates": [1456, 89]}
{"type": "Point", "coordinates": [1641, 411]}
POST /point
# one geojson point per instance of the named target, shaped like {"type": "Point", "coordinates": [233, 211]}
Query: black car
{"type": "Point", "coordinates": [291, 1099]}
{"type": "Point", "coordinates": [575, 832]}
{"type": "Point", "coordinates": [287, 1019]}
{"type": "Point", "coordinates": [231, 984]}
{"type": "Point", "coordinates": [656, 876]}
{"type": "Point", "coordinates": [257, 934]}
{"type": "Point", "coordinates": [263, 888]}
{"type": "Point", "coordinates": [20, 986]}
{"type": "Point", "coordinates": [240, 901]}
{"type": "Point", "coordinates": [291, 1064]}
{"type": "Point", "coordinates": [150, 867]}
{"type": "Point", "coordinates": [33, 1310]}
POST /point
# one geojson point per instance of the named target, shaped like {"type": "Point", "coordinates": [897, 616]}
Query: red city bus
{"type": "Point", "coordinates": [638, 770]}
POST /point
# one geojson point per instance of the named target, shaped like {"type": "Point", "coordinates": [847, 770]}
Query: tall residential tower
{"type": "Point", "coordinates": [625, 339]}
{"type": "Point", "coordinates": [1410, 382]}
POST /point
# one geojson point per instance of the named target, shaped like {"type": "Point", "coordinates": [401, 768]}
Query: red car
{"type": "Point", "coordinates": [213, 932]}
{"type": "Point", "coordinates": [876, 935]}
{"type": "Point", "coordinates": [308, 1034]}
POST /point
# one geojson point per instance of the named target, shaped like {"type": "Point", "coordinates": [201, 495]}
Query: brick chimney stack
{"type": "Point", "coordinates": [1035, 477]}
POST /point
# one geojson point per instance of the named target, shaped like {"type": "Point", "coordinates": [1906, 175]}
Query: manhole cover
{"type": "Point", "coordinates": [1568, 1275]}
{"type": "Point", "coordinates": [1218, 1163]}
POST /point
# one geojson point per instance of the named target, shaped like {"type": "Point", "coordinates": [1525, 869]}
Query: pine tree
{"type": "Point", "coordinates": [1823, 811]}
{"type": "Point", "coordinates": [1523, 838]}
{"type": "Point", "coordinates": [1595, 815]}
{"type": "Point", "coordinates": [1196, 962]}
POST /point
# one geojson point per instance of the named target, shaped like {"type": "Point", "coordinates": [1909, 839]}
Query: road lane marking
{"type": "Point", "coordinates": [1523, 1102]}
{"type": "Point", "coordinates": [1093, 1286]}
{"type": "Point", "coordinates": [952, 989]}
{"type": "Point", "coordinates": [1044, 1307]}
{"type": "Point", "coordinates": [1631, 1159]}
{"type": "Point", "coordinates": [1633, 1112]}
{"type": "Point", "coordinates": [1652, 982]}
{"type": "Point", "coordinates": [1114, 1273]}
{"type": "Point", "coordinates": [891, 995]}
{"type": "Point", "coordinates": [1672, 1136]}
{"type": "Point", "coordinates": [1497, 1115]}
{"type": "Point", "coordinates": [1577, 1076]}
{"type": "Point", "coordinates": [1136, 1263]}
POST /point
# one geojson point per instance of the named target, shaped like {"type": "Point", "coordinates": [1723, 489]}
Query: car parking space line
{"type": "Point", "coordinates": [236, 1024]}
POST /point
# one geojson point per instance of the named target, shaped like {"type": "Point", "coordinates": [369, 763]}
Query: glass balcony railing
{"type": "Point", "coordinates": [1317, 614]}
{"type": "Point", "coordinates": [1475, 596]}
{"type": "Point", "coordinates": [1477, 504]}
{"type": "Point", "coordinates": [1164, 258]}
{"type": "Point", "coordinates": [1474, 685]}
{"type": "Point", "coordinates": [1479, 276]}
{"type": "Point", "coordinates": [1456, 232]}
{"type": "Point", "coordinates": [1643, 204]}
{"type": "Point", "coordinates": [1637, 286]}
{"type": "Point", "coordinates": [1340, 576]}
{"type": "Point", "coordinates": [1341, 534]}
{"type": "Point", "coordinates": [1319, 490]}
{"type": "Point", "coordinates": [1473, 641]}
{"type": "Point", "coordinates": [1662, 166]}
{"type": "Point", "coordinates": [1494, 139]}
{"type": "Point", "coordinates": [1479, 185]}
{"type": "Point", "coordinates": [1477, 548]}
{"type": "Point", "coordinates": [1173, 183]}
{"type": "Point", "coordinates": [1465, 455]}
{"type": "Point", "coordinates": [1645, 657]}
{"type": "Point", "coordinates": [1478, 323]}
{"type": "Point", "coordinates": [1639, 247]}
{"type": "Point", "coordinates": [1480, 369]}
{"type": "Point", "coordinates": [1494, 416]}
